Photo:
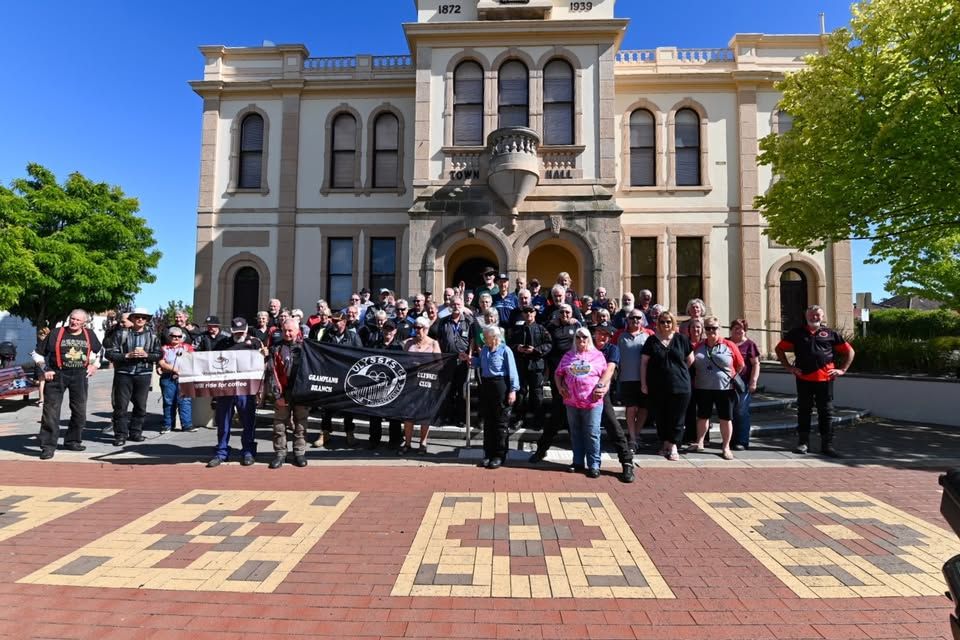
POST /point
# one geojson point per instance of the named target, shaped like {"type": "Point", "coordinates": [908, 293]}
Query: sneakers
{"type": "Point", "coordinates": [801, 449]}
{"type": "Point", "coordinates": [247, 459]}
{"type": "Point", "coordinates": [627, 476]}
{"type": "Point", "coordinates": [164, 431]}
{"type": "Point", "coordinates": [46, 454]}
{"type": "Point", "coordinates": [277, 461]}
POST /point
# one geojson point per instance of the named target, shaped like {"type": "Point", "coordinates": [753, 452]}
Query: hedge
{"type": "Point", "coordinates": [913, 324]}
{"type": "Point", "coordinates": [893, 355]}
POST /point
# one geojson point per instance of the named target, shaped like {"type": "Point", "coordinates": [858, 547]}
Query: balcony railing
{"type": "Point", "coordinates": [632, 56]}
{"type": "Point", "coordinates": [670, 54]}
{"type": "Point", "coordinates": [350, 64]}
{"type": "Point", "coordinates": [333, 64]}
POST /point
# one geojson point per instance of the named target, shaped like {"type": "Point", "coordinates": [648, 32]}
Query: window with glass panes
{"type": "Point", "coordinates": [339, 271]}
{"type": "Point", "coordinates": [687, 129]}
{"type": "Point", "coordinates": [468, 104]}
{"type": "Point", "coordinates": [343, 158]}
{"type": "Point", "coordinates": [689, 270]}
{"type": "Point", "coordinates": [558, 103]}
{"type": "Point", "coordinates": [386, 146]}
{"type": "Point", "coordinates": [251, 152]}
{"type": "Point", "coordinates": [513, 94]}
{"type": "Point", "coordinates": [643, 142]}
{"type": "Point", "coordinates": [383, 264]}
{"type": "Point", "coordinates": [643, 265]}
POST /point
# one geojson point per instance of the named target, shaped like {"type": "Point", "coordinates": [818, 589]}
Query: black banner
{"type": "Point", "coordinates": [374, 382]}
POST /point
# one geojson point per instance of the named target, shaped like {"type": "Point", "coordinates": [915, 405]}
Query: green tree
{"type": "Point", "coordinates": [874, 152]}
{"type": "Point", "coordinates": [165, 314]}
{"type": "Point", "coordinates": [933, 272]}
{"type": "Point", "coordinates": [78, 244]}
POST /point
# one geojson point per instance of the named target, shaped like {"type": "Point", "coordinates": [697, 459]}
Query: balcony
{"type": "Point", "coordinates": [514, 165]}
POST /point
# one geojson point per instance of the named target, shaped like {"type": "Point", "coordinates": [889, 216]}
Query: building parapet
{"type": "Point", "coordinates": [671, 55]}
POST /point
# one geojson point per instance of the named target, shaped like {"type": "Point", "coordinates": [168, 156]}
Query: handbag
{"type": "Point", "coordinates": [736, 382]}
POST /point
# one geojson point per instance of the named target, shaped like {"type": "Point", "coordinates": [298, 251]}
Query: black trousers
{"type": "Point", "coordinates": [670, 410]}
{"type": "Point", "coordinates": [327, 426]}
{"type": "Point", "coordinates": [454, 410]}
{"type": "Point", "coordinates": [821, 395]}
{"type": "Point", "coordinates": [608, 420]}
{"type": "Point", "coordinates": [530, 398]}
{"type": "Point", "coordinates": [125, 389]}
{"type": "Point", "coordinates": [395, 429]}
{"type": "Point", "coordinates": [495, 413]}
{"type": "Point", "coordinates": [53, 390]}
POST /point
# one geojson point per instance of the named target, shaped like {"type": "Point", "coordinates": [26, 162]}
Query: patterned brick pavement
{"type": "Point", "coordinates": [735, 553]}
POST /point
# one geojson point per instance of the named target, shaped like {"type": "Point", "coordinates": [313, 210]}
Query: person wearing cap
{"type": "Point", "coordinates": [282, 363]}
{"type": "Point", "coordinates": [504, 301]}
{"type": "Point", "coordinates": [499, 384]}
{"type": "Point", "coordinates": [530, 343]}
{"type": "Point", "coordinates": [340, 333]}
{"type": "Point", "coordinates": [245, 405]}
{"type": "Point", "coordinates": [538, 300]}
{"type": "Point", "coordinates": [385, 303]}
{"type": "Point", "coordinates": [134, 352]}
{"type": "Point", "coordinates": [489, 285]}
{"type": "Point", "coordinates": [168, 367]}
{"type": "Point", "coordinates": [365, 301]}
{"type": "Point", "coordinates": [579, 380]}
{"type": "Point", "coordinates": [387, 341]}
{"type": "Point", "coordinates": [603, 339]}
{"type": "Point", "coordinates": [213, 339]}
{"type": "Point", "coordinates": [69, 359]}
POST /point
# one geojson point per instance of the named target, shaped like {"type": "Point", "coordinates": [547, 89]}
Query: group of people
{"type": "Point", "coordinates": [590, 351]}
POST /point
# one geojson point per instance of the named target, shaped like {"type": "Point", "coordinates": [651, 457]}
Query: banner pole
{"type": "Point", "coordinates": [467, 421]}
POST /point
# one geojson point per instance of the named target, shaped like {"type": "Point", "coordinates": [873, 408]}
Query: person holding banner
{"type": "Point", "coordinates": [339, 332]}
{"type": "Point", "coordinates": [245, 405]}
{"type": "Point", "coordinates": [499, 384]}
{"type": "Point", "coordinates": [173, 401]}
{"type": "Point", "coordinates": [453, 334]}
{"type": "Point", "coordinates": [281, 364]}
{"type": "Point", "coordinates": [419, 343]}
{"type": "Point", "coordinates": [388, 341]}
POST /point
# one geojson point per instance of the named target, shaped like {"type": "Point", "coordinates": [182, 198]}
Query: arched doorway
{"type": "Point", "coordinates": [793, 299]}
{"type": "Point", "coordinates": [467, 262]}
{"type": "Point", "coordinates": [246, 294]}
{"type": "Point", "coordinates": [548, 260]}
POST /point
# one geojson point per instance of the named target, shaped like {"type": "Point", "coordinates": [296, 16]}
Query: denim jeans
{"type": "Point", "coordinates": [741, 420]}
{"type": "Point", "coordinates": [585, 435]}
{"type": "Point", "coordinates": [173, 403]}
{"type": "Point", "coordinates": [246, 407]}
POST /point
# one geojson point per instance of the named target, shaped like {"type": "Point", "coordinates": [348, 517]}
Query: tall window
{"type": "Point", "coordinates": [513, 96]}
{"type": "Point", "coordinates": [687, 125]}
{"type": "Point", "coordinates": [386, 147]}
{"type": "Point", "coordinates": [339, 271]}
{"type": "Point", "coordinates": [784, 121]}
{"type": "Point", "coordinates": [643, 265]}
{"type": "Point", "coordinates": [689, 270]}
{"type": "Point", "coordinates": [468, 104]}
{"type": "Point", "coordinates": [246, 293]}
{"type": "Point", "coordinates": [251, 152]}
{"type": "Point", "coordinates": [383, 264]}
{"type": "Point", "coordinates": [643, 150]}
{"type": "Point", "coordinates": [344, 145]}
{"type": "Point", "coordinates": [557, 103]}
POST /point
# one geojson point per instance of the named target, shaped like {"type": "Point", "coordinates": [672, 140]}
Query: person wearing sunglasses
{"type": "Point", "coordinates": [630, 344]}
{"type": "Point", "coordinates": [169, 369]}
{"type": "Point", "coordinates": [716, 362]}
{"type": "Point", "coordinates": [419, 343]}
{"type": "Point", "coordinates": [665, 379]}
{"type": "Point", "coordinates": [579, 380]}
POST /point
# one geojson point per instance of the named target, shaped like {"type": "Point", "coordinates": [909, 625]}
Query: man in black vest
{"type": "Point", "coordinates": [530, 342]}
{"type": "Point", "coordinates": [134, 352]}
{"type": "Point", "coordinates": [69, 360]}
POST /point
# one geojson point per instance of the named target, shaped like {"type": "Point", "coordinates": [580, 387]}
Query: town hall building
{"type": "Point", "coordinates": [515, 134]}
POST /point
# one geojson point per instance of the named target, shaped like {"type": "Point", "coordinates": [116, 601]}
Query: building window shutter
{"type": "Point", "coordinates": [558, 103]}
{"type": "Point", "coordinates": [386, 132]}
{"type": "Point", "coordinates": [344, 145]}
{"type": "Point", "coordinates": [687, 127]}
{"type": "Point", "coordinates": [513, 95]}
{"type": "Point", "coordinates": [643, 170]}
{"type": "Point", "coordinates": [251, 152]}
{"type": "Point", "coordinates": [468, 104]}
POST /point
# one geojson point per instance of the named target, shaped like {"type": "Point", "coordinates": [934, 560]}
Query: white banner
{"type": "Point", "coordinates": [221, 373]}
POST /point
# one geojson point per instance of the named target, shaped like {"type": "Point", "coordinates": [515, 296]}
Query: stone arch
{"type": "Point", "coordinates": [560, 52]}
{"type": "Point", "coordinates": [816, 285]}
{"type": "Point", "coordinates": [447, 240]}
{"type": "Point", "coordinates": [660, 146]}
{"type": "Point", "coordinates": [342, 108]}
{"type": "Point", "coordinates": [226, 279]}
{"type": "Point", "coordinates": [235, 126]}
{"type": "Point", "coordinates": [386, 107]}
{"type": "Point", "coordinates": [571, 240]}
{"type": "Point", "coordinates": [700, 110]}
{"type": "Point", "coordinates": [513, 53]}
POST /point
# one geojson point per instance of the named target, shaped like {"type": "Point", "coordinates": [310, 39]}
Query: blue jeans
{"type": "Point", "coordinates": [585, 435]}
{"type": "Point", "coordinates": [247, 409]}
{"type": "Point", "coordinates": [173, 403]}
{"type": "Point", "coordinates": [741, 420]}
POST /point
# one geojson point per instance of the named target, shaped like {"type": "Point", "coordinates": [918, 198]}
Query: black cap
{"type": "Point", "coordinates": [238, 325]}
{"type": "Point", "coordinates": [605, 326]}
{"type": "Point", "coordinates": [503, 276]}
{"type": "Point", "coordinates": [533, 283]}
{"type": "Point", "coordinates": [364, 291]}
{"type": "Point", "coordinates": [213, 321]}
{"type": "Point", "coordinates": [527, 309]}
{"type": "Point", "coordinates": [389, 326]}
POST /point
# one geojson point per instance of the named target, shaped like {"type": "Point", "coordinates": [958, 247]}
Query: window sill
{"type": "Point", "coordinates": [398, 191]}
{"type": "Point", "coordinates": [337, 191]}
{"type": "Point", "coordinates": [561, 148]}
{"type": "Point", "coordinates": [701, 189]}
{"type": "Point", "coordinates": [251, 192]}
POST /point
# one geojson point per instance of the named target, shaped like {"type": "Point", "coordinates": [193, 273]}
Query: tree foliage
{"type": "Point", "coordinates": [874, 152]}
{"type": "Point", "coordinates": [78, 244]}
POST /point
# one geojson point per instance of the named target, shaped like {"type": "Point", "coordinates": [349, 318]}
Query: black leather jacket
{"type": "Point", "coordinates": [124, 342]}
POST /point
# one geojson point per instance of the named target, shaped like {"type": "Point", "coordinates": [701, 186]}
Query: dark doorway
{"type": "Point", "coordinates": [246, 294]}
{"type": "Point", "coordinates": [469, 272]}
{"type": "Point", "coordinates": [793, 299]}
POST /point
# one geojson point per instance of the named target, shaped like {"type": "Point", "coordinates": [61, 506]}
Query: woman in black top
{"type": "Point", "coordinates": [665, 378]}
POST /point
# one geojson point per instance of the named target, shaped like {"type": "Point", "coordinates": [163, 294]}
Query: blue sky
{"type": "Point", "coordinates": [100, 86]}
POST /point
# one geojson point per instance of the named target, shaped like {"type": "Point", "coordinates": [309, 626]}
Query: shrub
{"type": "Point", "coordinates": [901, 356]}
{"type": "Point", "coordinates": [913, 323]}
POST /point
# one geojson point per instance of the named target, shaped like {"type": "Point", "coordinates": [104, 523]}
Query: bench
{"type": "Point", "coordinates": [15, 381]}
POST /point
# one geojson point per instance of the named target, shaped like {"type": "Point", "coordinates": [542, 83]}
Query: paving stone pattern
{"type": "Point", "coordinates": [23, 508]}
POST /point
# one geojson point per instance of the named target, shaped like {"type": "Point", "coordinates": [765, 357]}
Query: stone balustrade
{"type": "Point", "coordinates": [667, 55]}
{"type": "Point", "coordinates": [351, 64]}
{"type": "Point", "coordinates": [633, 56]}
{"type": "Point", "coordinates": [511, 140]}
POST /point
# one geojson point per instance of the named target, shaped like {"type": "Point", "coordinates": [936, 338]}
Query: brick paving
{"type": "Point", "coordinates": [342, 584]}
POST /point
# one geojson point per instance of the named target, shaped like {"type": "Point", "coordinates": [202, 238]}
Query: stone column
{"type": "Point", "coordinates": [842, 302]}
{"type": "Point", "coordinates": [607, 117]}
{"type": "Point", "coordinates": [750, 236]}
{"type": "Point", "coordinates": [203, 274]}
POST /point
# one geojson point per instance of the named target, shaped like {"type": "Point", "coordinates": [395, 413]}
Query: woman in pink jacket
{"type": "Point", "coordinates": [578, 380]}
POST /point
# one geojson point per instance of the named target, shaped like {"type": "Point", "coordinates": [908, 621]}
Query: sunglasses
{"type": "Point", "coordinates": [582, 337]}
{"type": "Point", "coordinates": [177, 336]}
{"type": "Point", "coordinates": [711, 328]}
{"type": "Point", "coordinates": [664, 321]}
{"type": "Point", "coordinates": [637, 318]}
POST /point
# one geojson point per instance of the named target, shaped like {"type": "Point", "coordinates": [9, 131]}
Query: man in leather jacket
{"type": "Point", "coordinates": [134, 352]}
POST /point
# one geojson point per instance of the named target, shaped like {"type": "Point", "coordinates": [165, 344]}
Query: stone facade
{"type": "Point", "coordinates": [365, 171]}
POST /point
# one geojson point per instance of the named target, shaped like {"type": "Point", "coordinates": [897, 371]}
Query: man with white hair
{"type": "Point", "coordinates": [455, 334]}
{"type": "Point", "coordinates": [619, 319]}
{"type": "Point", "coordinates": [282, 363]}
{"type": "Point", "coordinates": [273, 308]}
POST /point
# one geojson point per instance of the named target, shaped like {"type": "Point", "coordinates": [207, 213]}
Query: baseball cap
{"type": "Point", "coordinates": [213, 321]}
{"type": "Point", "coordinates": [238, 325]}
{"type": "Point", "coordinates": [605, 326]}
{"type": "Point", "coordinates": [364, 291]}
{"type": "Point", "coordinates": [383, 291]}
{"type": "Point", "coordinates": [389, 326]}
{"type": "Point", "coordinates": [527, 309]}
{"type": "Point", "coordinates": [503, 276]}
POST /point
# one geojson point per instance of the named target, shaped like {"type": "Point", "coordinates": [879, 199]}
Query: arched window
{"type": "Point", "coordinates": [643, 149]}
{"type": "Point", "coordinates": [557, 103]}
{"type": "Point", "coordinates": [246, 293]}
{"type": "Point", "coordinates": [513, 96]}
{"type": "Point", "coordinates": [784, 122]}
{"type": "Point", "coordinates": [793, 299]}
{"type": "Point", "coordinates": [687, 125]}
{"type": "Point", "coordinates": [344, 145]}
{"type": "Point", "coordinates": [386, 150]}
{"type": "Point", "coordinates": [251, 152]}
{"type": "Point", "coordinates": [468, 104]}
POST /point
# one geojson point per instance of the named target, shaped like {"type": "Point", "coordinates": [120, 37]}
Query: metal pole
{"type": "Point", "coordinates": [467, 421]}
